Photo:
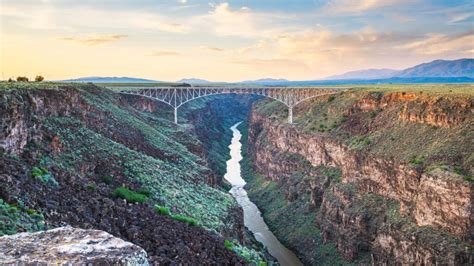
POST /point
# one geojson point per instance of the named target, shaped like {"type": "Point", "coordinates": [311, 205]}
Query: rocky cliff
{"type": "Point", "coordinates": [404, 193]}
{"type": "Point", "coordinates": [83, 156]}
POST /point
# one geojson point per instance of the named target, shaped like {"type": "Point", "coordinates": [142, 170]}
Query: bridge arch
{"type": "Point", "coordinates": [178, 96]}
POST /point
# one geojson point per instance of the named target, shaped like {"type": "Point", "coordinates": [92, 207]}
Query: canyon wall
{"type": "Point", "coordinates": [65, 151]}
{"type": "Point", "coordinates": [414, 206]}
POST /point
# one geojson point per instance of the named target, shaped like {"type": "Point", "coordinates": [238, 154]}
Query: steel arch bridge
{"type": "Point", "coordinates": [177, 96]}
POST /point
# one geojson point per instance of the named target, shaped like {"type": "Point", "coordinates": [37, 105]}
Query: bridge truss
{"type": "Point", "coordinates": [177, 96]}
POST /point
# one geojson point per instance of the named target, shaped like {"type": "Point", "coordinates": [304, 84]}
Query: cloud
{"type": "Point", "coordinates": [457, 18]}
{"type": "Point", "coordinates": [261, 44]}
{"type": "Point", "coordinates": [355, 6]}
{"type": "Point", "coordinates": [223, 20]}
{"type": "Point", "coordinates": [163, 53]}
{"type": "Point", "coordinates": [439, 44]}
{"type": "Point", "coordinates": [57, 16]}
{"type": "Point", "coordinates": [95, 40]}
{"type": "Point", "coordinates": [213, 49]}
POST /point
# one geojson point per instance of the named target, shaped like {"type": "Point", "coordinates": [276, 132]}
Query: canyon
{"type": "Point", "coordinates": [363, 177]}
{"type": "Point", "coordinates": [364, 199]}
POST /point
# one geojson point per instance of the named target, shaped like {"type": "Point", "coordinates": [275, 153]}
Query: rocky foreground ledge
{"type": "Point", "coordinates": [69, 245]}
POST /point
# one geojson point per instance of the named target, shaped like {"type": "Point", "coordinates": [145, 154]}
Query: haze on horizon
{"type": "Point", "coordinates": [228, 41]}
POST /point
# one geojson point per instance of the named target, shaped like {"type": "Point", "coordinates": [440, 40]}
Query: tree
{"type": "Point", "coordinates": [39, 78]}
{"type": "Point", "coordinates": [10, 80]}
{"type": "Point", "coordinates": [24, 79]}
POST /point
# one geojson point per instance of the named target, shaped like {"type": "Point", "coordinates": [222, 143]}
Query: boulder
{"type": "Point", "coordinates": [68, 245]}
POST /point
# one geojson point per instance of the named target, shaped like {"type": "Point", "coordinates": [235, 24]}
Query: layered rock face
{"type": "Point", "coordinates": [65, 151]}
{"type": "Point", "coordinates": [387, 208]}
{"type": "Point", "coordinates": [67, 245]}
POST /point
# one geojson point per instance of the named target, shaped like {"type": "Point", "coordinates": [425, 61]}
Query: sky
{"type": "Point", "coordinates": [228, 40]}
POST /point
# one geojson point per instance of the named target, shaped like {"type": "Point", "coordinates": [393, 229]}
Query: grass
{"type": "Point", "coordinates": [129, 195]}
{"type": "Point", "coordinates": [162, 210]}
{"type": "Point", "coordinates": [185, 219]}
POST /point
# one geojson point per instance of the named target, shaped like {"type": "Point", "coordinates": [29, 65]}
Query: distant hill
{"type": "Point", "coordinates": [266, 81]}
{"type": "Point", "coordinates": [111, 80]}
{"type": "Point", "coordinates": [193, 81]}
{"type": "Point", "coordinates": [366, 74]}
{"type": "Point", "coordinates": [441, 69]}
{"type": "Point", "coordinates": [434, 69]}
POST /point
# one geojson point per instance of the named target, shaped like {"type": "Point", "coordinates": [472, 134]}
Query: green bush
{"type": "Point", "coordinates": [162, 210]}
{"type": "Point", "coordinates": [344, 118]}
{"type": "Point", "coordinates": [43, 175]}
{"type": "Point", "coordinates": [107, 179]}
{"type": "Point", "coordinates": [468, 178]}
{"type": "Point", "coordinates": [228, 245]}
{"type": "Point", "coordinates": [331, 98]}
{"type": "Point", "coordinates": [417, 160]}
{"type": "Point", "coordinates": [38, 172]}
{"type": "Point", "coordinates": [91, 187]}
{"type": "Point", "coordinates": [129, 195]}
{"type": "Point", "coordinates": [145, 192]}
{"type": "Point", "coordinates": [185, 219]}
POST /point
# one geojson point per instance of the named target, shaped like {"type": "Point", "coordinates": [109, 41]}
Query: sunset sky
{"type": "Point", "coordinates": [228, 41]}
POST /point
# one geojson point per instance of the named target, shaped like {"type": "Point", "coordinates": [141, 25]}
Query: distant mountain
{"type": "Point", "coordinates": [265, 80]}
{"type": "Point", "coordinates": [193, 81]}
{"type": "Point", "coordinates": [434, 69]}
{"type": "Point", "coordinates": [441, 69]}
{"type": "Point", "coordinates": [111, 80]}
{"type": "Point", "coordinates": [366, 74]}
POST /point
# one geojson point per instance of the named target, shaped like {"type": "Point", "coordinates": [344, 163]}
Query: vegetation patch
{"type": "Point", "coordinates": [249, 255]}
{"type": "Point", "coordinates": [44, 176]}
{"type": "Point", "coordinates": [129, 195]}
{"type": "Point", "coordinates": [106, 179]}
{"type": "Point", "coordinates": [185, 219]}
{"type": "Point", "coordinates": [14, 220]}
{"type": "Point", "coordinates": [162, 210]}
{"type": "Point", "coordinates": [359, 142]}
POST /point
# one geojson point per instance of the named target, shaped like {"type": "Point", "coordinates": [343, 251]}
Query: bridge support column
{"type": "Point", "coordinates": [176, 115]}
{"type": "Point", "coordinates": [290, 114]}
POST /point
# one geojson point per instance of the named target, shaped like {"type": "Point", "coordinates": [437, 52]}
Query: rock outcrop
{"type": "Point", "coordinates": [68, 245]}
{"type": "Point", "coordinates": [384, 208]}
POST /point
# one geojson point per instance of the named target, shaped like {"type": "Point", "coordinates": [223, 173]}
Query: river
{"type": "Point", "coordinates": [252, 217]}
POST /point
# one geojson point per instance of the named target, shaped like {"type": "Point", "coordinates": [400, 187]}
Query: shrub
{"type": "Point", "coordinates": [458, 170]}
{"type": "Point", "coordinates": [43, 175]}
{"type": "Point", "coordinates": [344, 118]}
{"type": "Point", "coordinates": [417, 160]}
{"type": "Point", "coordinates": [91, 187]}
{"type": "Point", "coordinates": [129, 195]}
{"type": "Point", "coordinates": [22, 79]}
{"type": "Point", "coordinates": [468, 178]}
{"type": "Point", "coordinates": [145, 192]}
{"type": "Point", "coordinates": [228, 245]}
{"type": "Point", "coordinates": [37, 172]}
{"type": "Point", "coordinates": [162, 210]}
{"type": "Point", "coordinates": [185, 219]}
{"type": "Point", "coordinates": [107, 179]}
{"type": "Point", "coordinates": [373, 114]}
{"type": "Point", "coordinates": [331, 98]}
{"type": "Point", "coordinates": [39, 78]}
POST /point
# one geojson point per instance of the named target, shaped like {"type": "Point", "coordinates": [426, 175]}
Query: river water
{"type": "Point", "coordinates": [252, 216]}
